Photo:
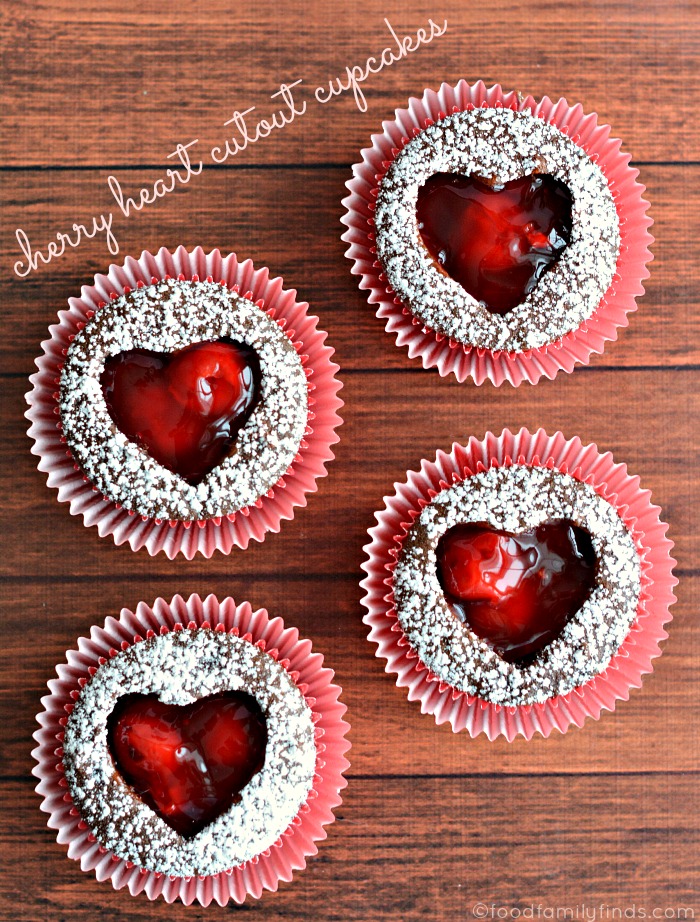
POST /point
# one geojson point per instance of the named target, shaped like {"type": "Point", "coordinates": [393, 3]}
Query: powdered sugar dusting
{"type": "Point", "coordinates": [164, 317]}
{"type": "Point", "coordinates": [180, 667]}
{"type": "Point", "coordinates": [518, 498]}
{"type": "Point", "coordinates": [498, 145]}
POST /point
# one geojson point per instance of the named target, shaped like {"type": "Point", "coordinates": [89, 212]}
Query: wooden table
{"type": "Point", "coordinates": [603, 820]}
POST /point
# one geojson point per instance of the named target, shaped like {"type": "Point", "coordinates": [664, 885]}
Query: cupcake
{"type": "Point", "coordinates": [194, 391]}
{"type": "Point", "coordinates": [201, 751]}
{"type": "Point", "coordinates": [500, 237]}
{"type": "Point", "coordinates": [530, 580]}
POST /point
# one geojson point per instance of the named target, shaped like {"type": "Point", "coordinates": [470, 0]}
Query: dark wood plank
{"type": "Point", "coordinates": [506, 842]}
{"type": "Point", "coordinates": [256, 213]}
{"type": "Point", "coordinates": [137, 86]}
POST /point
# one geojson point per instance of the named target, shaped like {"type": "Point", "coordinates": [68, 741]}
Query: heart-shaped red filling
{"type": "Point", "coordinates": [184, 408]}
{"type": "Point", "coordinates": [188, 763]}
{"type": "Point", "coordinates": [495, 240]}
{"type": "Point", "coordinates": [516, 592]}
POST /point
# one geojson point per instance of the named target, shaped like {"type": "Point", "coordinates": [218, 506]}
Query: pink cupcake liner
{"type": "Point", "coordinates": [443, 353]}
{"type": "Point", "coordinates": [289, 853]}
{"type": "Point", "coordinates": [221, 533]}
{"type": "Point", "coordinates": [626, 668]}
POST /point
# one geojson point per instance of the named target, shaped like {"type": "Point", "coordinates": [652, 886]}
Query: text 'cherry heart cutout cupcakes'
{"type": "Point", "coordinates": [189, 763]}
{"type": "Point", "coordinates": [516, 591]}
{"type": "Point", "coordinates": [184, 408]}
{"type": "Point", "coordinates": [495, 239]}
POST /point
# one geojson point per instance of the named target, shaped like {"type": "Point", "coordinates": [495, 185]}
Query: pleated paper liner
{"type": "Point", "coordinates": [450, 357]}
{"type": "Point", "coordinates": [626, 668]}
{"type": "Point", "coordinates": [210, 535]}
{"type": "Point", "coordinates": [298, 842]}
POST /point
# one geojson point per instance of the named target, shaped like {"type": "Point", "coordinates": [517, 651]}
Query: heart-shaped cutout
{"type": "Point", "coordinates": [184, 408]}
{"type": "Point", "coordinates": [188, 763]}
{"type": "Point", "coordinates": [516, 591]}
{"type": "Point", "coordinates": [495, 240]}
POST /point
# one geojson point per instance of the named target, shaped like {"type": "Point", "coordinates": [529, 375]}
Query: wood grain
{"type": "Point", "coordinates": [602, 819]}
{"type": "Point", "coordinates": [137, 84]}
{"type": "Point", "coordinates": [455, 841]}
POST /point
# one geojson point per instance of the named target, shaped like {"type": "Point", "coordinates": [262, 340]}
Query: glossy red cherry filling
{"type": "Point", "coordinates": [184, 408]}
{"type": "Point", "coordinates": [495, 240]}
{"type": "Point", "coordinates": [516, 592]}
{"type": "Point", "coordinates": [188, 763]}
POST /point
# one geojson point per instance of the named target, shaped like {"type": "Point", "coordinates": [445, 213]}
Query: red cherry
{"type": "Point", "coordinates": [185, 408]}
{"type": "Point", "coordinates": [188, 763]}
{"type": "Point", "coordinates": [516, 592]}
{"type": "Point", "coordinates": [496, 241]}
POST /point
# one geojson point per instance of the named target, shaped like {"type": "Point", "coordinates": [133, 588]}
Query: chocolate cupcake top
{"type": "Point", "coordinates": [516, 499]}
{"type": "Point", "coordinates": [165, 317]}
{"type": "Point", "coordinates": [498, 145]}
{"type": "Point", "coordinates": [179, 668]}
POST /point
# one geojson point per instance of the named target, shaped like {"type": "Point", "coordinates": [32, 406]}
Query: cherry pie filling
{"type": "Point", "coordinates": [184, 408]}
{"type": "Point", "coordinates": [495, 240]}
{"type": "Point", "coordinates": [188, 763]}
{"type": "Point", "coordinates": [516, 591]}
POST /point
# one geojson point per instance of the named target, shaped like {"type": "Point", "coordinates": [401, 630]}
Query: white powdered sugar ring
{"type": "Point", "coordinates": [579, 303]}
{"type": "Point", "coordinates": [503, 145]}
{"type": "Point", "coordinates": [178, 668]}
{"type": "Point", "coordinates": [182, 651]}
{"type": "Point", "coordinates": [147, 505]}
{"type": "Point", "coordinates": [515, 482]}
{"type": "Point", "coordinates": [166, 317]}
{"type": "Point", "coordinates": [517, 499]}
